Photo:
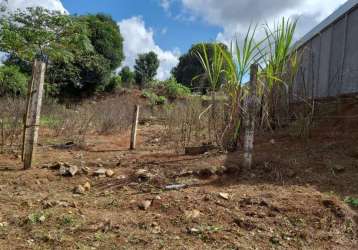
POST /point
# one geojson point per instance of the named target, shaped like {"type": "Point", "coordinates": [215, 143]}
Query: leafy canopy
{"type": "Point", "coordinates": [37, 32]}
{"type": "Point", "coordinates": [189, 67]}
{"type": "Point", "coordinates": [146, 66]}
{"type": "Point", "coordinates": [12, 81]}
{"type": "Point", "coordinates": [106, 38]}
{"type": "Point", "coordinates": [82, 50]}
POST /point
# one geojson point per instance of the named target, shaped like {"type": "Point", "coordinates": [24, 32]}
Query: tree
{"type": "Point", "coordinates": [189, 67]}
{"type": "Point", "coordinates": [42, 34]}
{"type": "Point", "coordinates": [12, 81]}
{"type": "Point", "coordinates": [146, 68]}
{"type": "Point", "coordinates": [91, 67]}
{"type": "Point", "coordinates": [106, 38]}
{"type": "Point", "coordinates": [91, 72]}
{"type": "Point", "coordinates": [127, 76]}
{"type": "Point", "coordinates": [82, 77]}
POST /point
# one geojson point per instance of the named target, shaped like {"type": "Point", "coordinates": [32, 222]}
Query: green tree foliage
{"type": "Point", "coordinates": [106, 38]}
{"type": "Point", "coordinates": [40, 33]}
{"type": "Point", "coordinates": [12, 81]}
{"type": "Point", "coordinates": [91, 72]}
{"type": "Point", "coordinates": [114, 83]}
{"type": "Point", "coordinates": [83, 51]}
{"type": "Point", "coordinates": [127, 76]}
{"type": "Point", "coordinates": [189, 67]}
{"type": "Point", "coordinates": [87, 74]}
{"type": "Point", "coordinates": [146, 66]}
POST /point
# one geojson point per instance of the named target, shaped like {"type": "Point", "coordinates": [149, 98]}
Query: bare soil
{"type": "Point", "coordinates": [291, 199]}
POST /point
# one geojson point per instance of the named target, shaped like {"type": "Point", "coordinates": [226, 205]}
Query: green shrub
{"type": "Point", "coordinates": [175, 90]}
{"type": "Point", "coordinates": [114, 83]}
{"type": "Point", "coordinates": [12, 81]}
{"type": "Point", "coordinates": [154, 99]}
{"type": "Point", "coordinates": [51, 90]}
{"type": "Point", "coordinates": [161, 100]}
{"type": "Point", "coordinates": [351, 201]}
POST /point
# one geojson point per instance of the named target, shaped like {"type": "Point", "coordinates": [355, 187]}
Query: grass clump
{"type": "Point", "coordinates": [351, 201]}
{"type": "Point", "coordinates": [153, 98]}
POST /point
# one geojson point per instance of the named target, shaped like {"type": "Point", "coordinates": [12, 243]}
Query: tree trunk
{"type": "Point", "coordinates": [249, 117]}
{"type": "Point", "coordinates": [33, 111]}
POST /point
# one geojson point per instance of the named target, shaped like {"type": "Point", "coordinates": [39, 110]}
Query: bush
{"type": "Point", "coordinates": [176, 90]}
{"type": "Point", "coordinates": [154, 99]}
{"type": "Point", "coordinates": [113, 84]}
{"type": "Point", "coordinates": [12, 81]}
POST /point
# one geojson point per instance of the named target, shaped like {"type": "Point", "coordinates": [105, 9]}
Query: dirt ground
{"type": "Point", "coordinates": [291, 199]}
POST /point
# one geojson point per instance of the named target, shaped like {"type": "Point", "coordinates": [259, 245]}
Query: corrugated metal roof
{"type": "Point", "coordinates": [350, 4]}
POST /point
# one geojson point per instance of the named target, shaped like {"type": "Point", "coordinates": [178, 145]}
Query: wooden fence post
{"type": "Point", "coordinates": [134, 128]}
{"type": "Point", "coordinates": [249, 117]}
{"type": "Point", "coordinates": [33, 111]}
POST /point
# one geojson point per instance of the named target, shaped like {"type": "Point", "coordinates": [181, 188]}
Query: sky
{"type": "Point", "coordinates": [170, 27]}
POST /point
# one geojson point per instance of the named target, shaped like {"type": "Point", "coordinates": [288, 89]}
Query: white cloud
{"type": "Point", "coordinates": [22, 4]}
{"type": "Point", "coordinates": [165, 4]}
{"type": "Point", "coordinates": [234, 16]}
{"type": "Point", "coordinates": [140, 39]}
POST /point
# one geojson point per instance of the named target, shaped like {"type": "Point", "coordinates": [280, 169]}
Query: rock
{"type": "Point", "coordinates": [72, 170]}
{"type": "Point", "coordinates": [275, 240]}
{"type": "Point", "coordinates": [192, 214]}
{"type": "Point", "coordinates": [42, 218]}
{"type": "Point", "coordinates": [109, 173]}
{"type": "Point", "coordinates": [100, 171]}
{"type": "Point", "coordinates": [4, 224]}
{"type": "Point", "coordinates": [175, 187]}
{"type": "Point", "coordinates": [144, 205]}
{"type": "Point", "coordinates": [87, 186]}
{"type": "Point", "coordinates": [79, 189]}
{"type": "Point", "coordinates": [225, 196]}
{"type": "Point", "coordinates": [193, 231]}
{"type": "Point", "coordinates": [85, 170]}
{"type": "Point", "coordinates": [155, 228]}
{"type": "Point", "coordinates": [272, 141]}
{"type": "Point", "coordinates": [68, 170]}
{"type": "Point", "coordinates": [63, 170]}
{"type": "Point", "coordinates": [143, 175]}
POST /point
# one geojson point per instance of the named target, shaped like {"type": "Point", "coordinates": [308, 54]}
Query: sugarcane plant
{"type": "Point", "coordinates": [278, 64]}
{"type": "Point", "coordinates": [214, 73]}
{"type": "Point", "coordinates": [243, 55]}
{"type": "Point", "coordinates": [280, 67]}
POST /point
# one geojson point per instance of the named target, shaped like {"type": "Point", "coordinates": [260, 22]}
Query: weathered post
{"type": "Point", "coordinates": [33, 110]}
{"type": "Point", "coordinates": [249, 117]}
{"type": "Point", "coordinates": [134, 128]}
{"type": "Point", "coordinates": [2, 135]}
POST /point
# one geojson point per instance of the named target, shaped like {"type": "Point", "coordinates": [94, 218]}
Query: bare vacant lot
{"type": "Point", "coordinates": [156, 197]}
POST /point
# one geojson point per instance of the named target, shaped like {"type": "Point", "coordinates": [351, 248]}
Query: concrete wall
{"type": "Point", "coordinates": [329, 60]}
